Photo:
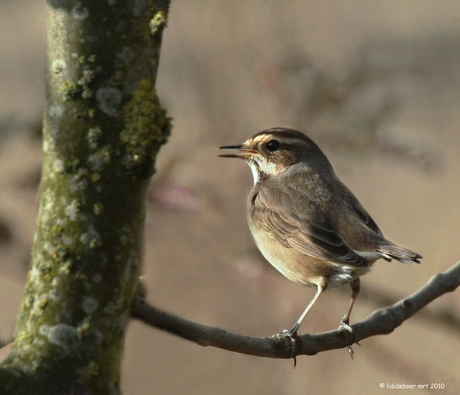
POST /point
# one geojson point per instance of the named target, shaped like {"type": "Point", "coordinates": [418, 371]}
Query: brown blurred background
{"type": "Point", "coordinates": [375, 83]}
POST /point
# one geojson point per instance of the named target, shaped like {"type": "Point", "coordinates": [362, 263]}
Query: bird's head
{"type": "Point", "coordinates": [275, 150]}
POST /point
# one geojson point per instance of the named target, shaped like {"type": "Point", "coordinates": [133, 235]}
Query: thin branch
{"type": "Point", "coordinates": [444, 316]}
{"type": "Point", "coordinates": [380, 322]}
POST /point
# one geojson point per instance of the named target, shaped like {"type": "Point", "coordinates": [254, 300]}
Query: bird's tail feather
{"type": "Point", "coordinates": [404, 255]}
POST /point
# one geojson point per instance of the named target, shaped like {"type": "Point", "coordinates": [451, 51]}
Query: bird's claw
{"type": "Point", "coordinates": [351, 352]}
{"type": "Point", "coordinates": [345, 325]}
{"type": "Point", "coordinates": [292, 335]}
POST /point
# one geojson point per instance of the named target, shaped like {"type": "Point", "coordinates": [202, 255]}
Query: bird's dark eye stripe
{"type": "Point", "coordinates": [273, 145]}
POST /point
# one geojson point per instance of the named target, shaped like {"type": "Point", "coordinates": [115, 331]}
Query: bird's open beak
{"type": "Point", "coordinates": [243, 154]}
{"type": "Point", "coordinates": [230, 147]}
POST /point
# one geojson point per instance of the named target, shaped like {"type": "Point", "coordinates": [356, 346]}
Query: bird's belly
{"type": "Point", "coordinates": [301, 268]}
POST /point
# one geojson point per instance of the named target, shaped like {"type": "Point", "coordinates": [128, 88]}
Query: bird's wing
{"type": "Point", "coordinates": [363, 215]}
{"type": "Point", "coordinates": [308, 232]}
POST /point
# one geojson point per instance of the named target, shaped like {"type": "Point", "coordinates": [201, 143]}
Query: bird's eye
{"type": "Point", "coordinates": [273, 145]}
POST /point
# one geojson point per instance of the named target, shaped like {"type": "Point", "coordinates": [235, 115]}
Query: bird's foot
{"type": "Point", "coordinates": [295, 342]}
{"type": "Point", "coordinates": [345, 324]}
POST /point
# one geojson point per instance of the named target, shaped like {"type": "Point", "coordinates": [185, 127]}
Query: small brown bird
{"type": "Point", "coordinates": [305, 221]}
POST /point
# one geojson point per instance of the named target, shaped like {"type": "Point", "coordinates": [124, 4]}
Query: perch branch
{"type": "Point", "coordinates": [442, 316]}
{"type": "Point", "coordinates": [380, 322]}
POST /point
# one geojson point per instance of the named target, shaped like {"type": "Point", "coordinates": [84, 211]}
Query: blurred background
{"type": "Point", "coordinates": [375, 83]}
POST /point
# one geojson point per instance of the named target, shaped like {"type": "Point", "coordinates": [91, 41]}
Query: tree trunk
{"type": "Point", "coordinates": [103, 126]}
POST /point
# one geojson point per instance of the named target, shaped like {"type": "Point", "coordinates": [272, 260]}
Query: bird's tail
{"type": "Point", "coordinates": [392, 251]}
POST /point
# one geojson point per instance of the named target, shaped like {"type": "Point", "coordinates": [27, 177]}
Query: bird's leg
{"type": "Point", "coordinates": [293, 330]}
{"type": "Point", "coordinates": [292, 333]}
{"type": "Point", "coordinates": [345, 322]}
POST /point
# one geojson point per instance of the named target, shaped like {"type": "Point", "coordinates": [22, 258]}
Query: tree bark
{"type": "Point", "coordinates": [103, 126]}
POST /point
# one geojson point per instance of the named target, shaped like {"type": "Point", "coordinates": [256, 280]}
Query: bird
{"type": "Point", "coordinates": [306, 222]}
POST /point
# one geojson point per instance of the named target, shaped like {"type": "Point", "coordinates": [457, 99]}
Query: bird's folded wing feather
{"type": "Point", "coordinates": [312, 236]}
{"type": "Point", "coordinates": [362, 213]}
